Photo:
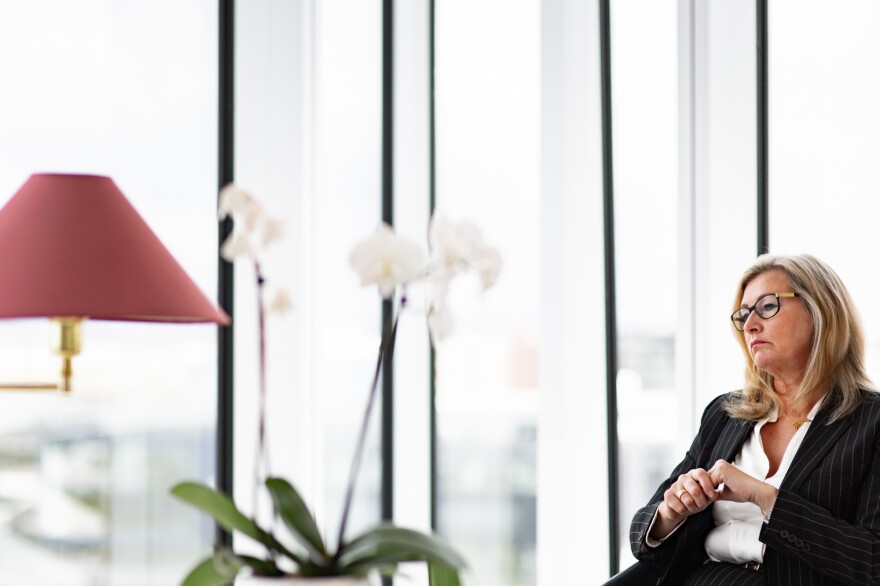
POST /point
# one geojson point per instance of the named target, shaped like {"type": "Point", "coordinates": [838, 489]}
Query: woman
{"type": "Point", "coordinates": [781, 486]}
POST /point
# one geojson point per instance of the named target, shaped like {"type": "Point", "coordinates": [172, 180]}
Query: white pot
{"type": "Point", "coordinates": [297, 581]}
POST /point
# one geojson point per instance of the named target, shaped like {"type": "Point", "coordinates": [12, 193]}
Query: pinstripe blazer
{"type": "Point", "coordinates": [825, 525]}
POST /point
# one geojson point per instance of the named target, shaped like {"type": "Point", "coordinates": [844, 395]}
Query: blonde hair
{"type": "Point", "coordinates": [837, 356]}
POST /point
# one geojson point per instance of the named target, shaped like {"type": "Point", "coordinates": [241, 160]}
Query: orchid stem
{"type": "Point", "coordinates": [261, 463]}
{"type": "Point", "coordinates": [386, 347]}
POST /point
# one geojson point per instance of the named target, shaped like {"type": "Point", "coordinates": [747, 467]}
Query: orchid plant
{"type": "Point", "coordinates": [391, 263]}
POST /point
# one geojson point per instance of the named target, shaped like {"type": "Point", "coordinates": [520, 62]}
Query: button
{"type": "Point", "coordinates": [792, 538]}
{"type": "Point", "coordinates": [799, 542]}
{"type": "Point", "coordinates": [806, 547]}
{"type": "Point", "coordinates": [783, 534]}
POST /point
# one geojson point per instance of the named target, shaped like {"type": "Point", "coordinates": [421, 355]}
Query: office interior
{"type": "Point", "coordinates": [627, 158]}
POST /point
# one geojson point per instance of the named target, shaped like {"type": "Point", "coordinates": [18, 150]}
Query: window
{"type": "Point", "coordinates": [644, 56]}
{"type": "Point", "coordinates": [823, 143]}
{"type": "Point", "coordinates": [85, 478]}
{"type": "Point", "coordinates": [488, 172]}
{"type": "Point", "coordinates": [308, 144]}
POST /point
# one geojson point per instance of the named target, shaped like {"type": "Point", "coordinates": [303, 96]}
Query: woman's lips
{"type": "Point", "coordinates": [756, 342]}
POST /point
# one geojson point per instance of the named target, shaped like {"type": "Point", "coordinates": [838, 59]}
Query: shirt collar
{"type": "Point", "coordinates": [774, 413]}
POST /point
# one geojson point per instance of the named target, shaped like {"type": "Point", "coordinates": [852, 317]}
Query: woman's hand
{"type": "Point", "coordinates": [691, 493]}
{"type": "Point", "coordinates": [741, 488]}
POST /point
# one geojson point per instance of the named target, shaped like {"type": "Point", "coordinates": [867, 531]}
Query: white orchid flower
{"type": "Point", "coordinates": [280, 303]}
{"type": "Point", "coordinates": [253, 230]}
{"type": "Point", "coordinates": [440, 323]}
{"type": "Point", "coordinates": [438, 286]}
{"type": "Point", "coordinates": [239, 204]}
{"type": "Point", "coordinates": [387, 260]}
{"type": "Point", "coordinates": [454, 245]}
{"type": "Point", "coordinates": [236, 245]}
{"type": "Point", "coordinates": [459, 246]}
{"type": "Point", "coordinates": [489, 266]}
{"type": "Point", "coordinates": [272, 231]}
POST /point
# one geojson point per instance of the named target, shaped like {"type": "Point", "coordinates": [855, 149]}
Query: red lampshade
{"type": "Point", "coordinates": [73, 246]}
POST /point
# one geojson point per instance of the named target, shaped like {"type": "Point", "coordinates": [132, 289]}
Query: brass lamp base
{"type": "Point", "coordinates": [66, 343]}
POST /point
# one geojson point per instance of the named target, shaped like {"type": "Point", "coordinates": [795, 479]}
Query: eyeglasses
{"type": "Point", "coordinates": [766, 307]}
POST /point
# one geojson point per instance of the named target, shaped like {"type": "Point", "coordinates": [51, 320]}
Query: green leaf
{"type": "Point", "coordinates": [261, 567]}
{"type": "Point", "coordinates": [441, 575]}
{"type": "Point", "coordinates": [211, 572]}
{"type": "Point", "coordinates": [293, 511]}
{"type": "Point", "coordinates": [219, 506]}
{"type": "Point", "coordinates": [387, 543]}
{"type": "Point", "coordinates": [223, 510]}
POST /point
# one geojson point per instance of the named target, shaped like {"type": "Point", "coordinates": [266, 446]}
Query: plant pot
{"type": "Point", "coordinates": [299, 581]}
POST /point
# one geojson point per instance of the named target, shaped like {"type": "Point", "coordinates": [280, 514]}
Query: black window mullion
{"type": "Point", "coordinates": [225, 270]}
{"type": "Point", "coordinates": [610, 290]}
{"type": "Point", "coordinates": [432, 203]}
{"type": "Point", "coordinates": [762, 135]}
{"type": "Point", "coordinates": [387, 216]}
{"type": "Point", "coordinates": [387, 432]}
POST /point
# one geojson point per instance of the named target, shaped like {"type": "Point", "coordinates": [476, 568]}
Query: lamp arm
{"type": "Point", "coordinates": [67, 345]}
{"type": "Point", "coordinates": [29, 386]}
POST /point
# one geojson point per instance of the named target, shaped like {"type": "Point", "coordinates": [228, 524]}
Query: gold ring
{"type": "Point", "coordinates": [681, 492]}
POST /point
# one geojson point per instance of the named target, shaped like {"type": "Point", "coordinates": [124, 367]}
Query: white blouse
{"type": "Point", "coordinates": [738, 525]}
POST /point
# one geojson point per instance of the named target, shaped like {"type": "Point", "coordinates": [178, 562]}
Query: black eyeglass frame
{"type": "Point", "coordinates": [739, 321]}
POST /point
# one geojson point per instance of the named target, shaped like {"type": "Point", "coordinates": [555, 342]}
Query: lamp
{"type": "Point", "coordinates": [72, 247]}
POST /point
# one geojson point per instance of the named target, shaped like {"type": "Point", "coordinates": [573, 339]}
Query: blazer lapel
{"type": "Point", "coordinates": [819, 440]}
{"type": "Point", "coordinates": [729, 443]}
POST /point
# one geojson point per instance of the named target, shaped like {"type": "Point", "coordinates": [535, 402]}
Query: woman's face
{"type": "Point", "coordinates": [781, 344]}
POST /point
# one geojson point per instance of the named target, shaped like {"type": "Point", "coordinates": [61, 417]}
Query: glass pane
{"type": "Point", "coordinates": [349, 320]}
{"type": "Point", "coordinates": [488, 88]}
{"type": "Point", "coordinates": [824, 124]}
{"type": "Point", "coordinates": [84, 479]}
{"type": "Point", "coordinates": [308, 114]}
{"type": "Point", "coordinates": [645, 92]}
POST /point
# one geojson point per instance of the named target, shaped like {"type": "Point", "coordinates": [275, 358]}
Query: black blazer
{"type": "Point", "coordinates": [825, 525]}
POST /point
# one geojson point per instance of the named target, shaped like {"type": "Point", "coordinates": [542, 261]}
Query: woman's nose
{"type": "Point", "coordinates": [752, 322]}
